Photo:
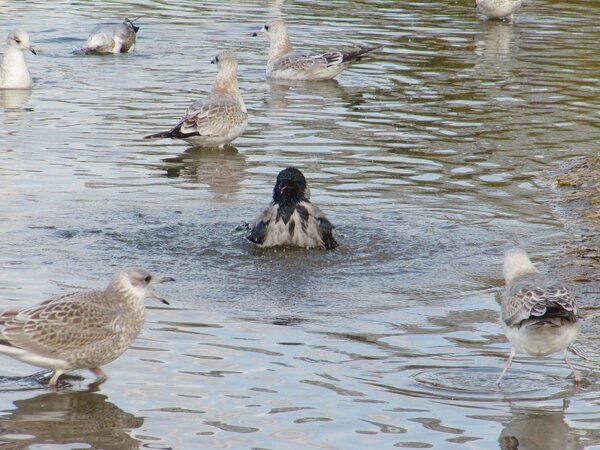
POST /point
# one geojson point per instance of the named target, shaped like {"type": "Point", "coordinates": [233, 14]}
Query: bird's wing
{"type": "Point", "coordinates": [525, 300]}
{"type": "Point", "coordinates": [259, 229]}
{"type": "Point", "coordinates": [300, 62]}
{"type": "Point", "coordinates": [211, 117]}
{"type": "Point", "coordinates": [59, 324]}
{"type": "Point", "coordinates": [315, 62]}
{"type": "Point", "coordinates": [325, 227]}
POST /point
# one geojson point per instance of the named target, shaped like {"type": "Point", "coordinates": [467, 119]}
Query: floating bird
{"type": "Point", "coordinates": [291, 219]}
{"type": "Point", "coordinates": [112, 38]}
{"type": "Point", "coordinates": [219, 118]}
{"type": "Point", "coordinates": [539, 315]}
{"type": "Point", "coordinates": [286, 63]}
{"type": "Point", "coordinates": [80, 330]}
{"type": "Point", "coordinates": [14, 73]}
{"type": "Point", "coordinates": [498, 9]}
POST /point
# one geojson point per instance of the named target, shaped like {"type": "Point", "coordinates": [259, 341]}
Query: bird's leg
{"type": "Point", "coordinates": [508, 364]}
{"type": "Point", "coordinates": [54, 379]}
{"type": "Point", "coordinates": [100, 375]}
{"type": "Point", "coordinates": [576, 375]}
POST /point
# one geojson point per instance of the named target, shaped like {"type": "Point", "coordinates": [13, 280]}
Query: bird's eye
{"type": "Point", "coordinates": [18, 41]}
{"type": "Point", "coordinates": [148, 278]}
{"type": "Point", "coordinates": [266, 27]}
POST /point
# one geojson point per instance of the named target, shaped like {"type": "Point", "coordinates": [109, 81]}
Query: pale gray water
{"type": "Point", "coordinates": [431, 158]}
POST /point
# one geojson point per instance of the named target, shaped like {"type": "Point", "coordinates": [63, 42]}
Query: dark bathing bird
{"type": "Point", "coordinates": [80, 330]}
{"type": "Point", "coordinates": [539, 315]}
{"type": "Point", "coordinates": [291, 219]}
{"type": "Point", "coordinates": [286, 63]}
{"type": "Point", "coordinates": [218, 119]}
{"type": "Point", "coordinates": [112, 38]}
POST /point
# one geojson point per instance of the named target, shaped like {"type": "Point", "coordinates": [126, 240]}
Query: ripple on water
{"type": "Point", "coordinates": [477, 384]}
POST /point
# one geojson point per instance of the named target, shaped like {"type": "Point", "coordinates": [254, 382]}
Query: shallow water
{"type": "Point", "coordinates": [431, 158]}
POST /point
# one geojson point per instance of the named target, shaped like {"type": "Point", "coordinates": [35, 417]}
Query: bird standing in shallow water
{"type": "Point", "coordinates": [14, 73]}
{"type": "Point", "coordinates": [112, 38]}
{"type": "Point", "coordinates": [498, 9]}
{"type": "Point", "coordinates": [539, 315]}
{"type": "Point", "coordinates": [291, 219]}
{"type": "Point", "coordinates": [80, 330]}
{"type": "Point", "coordinates": [286, 63]}
{"type": "Point", "coordinates": [219, 118]}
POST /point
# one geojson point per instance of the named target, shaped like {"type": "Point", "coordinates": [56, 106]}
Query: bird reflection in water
{"type": "Point", "coordinates": [222, 169]}
{"type": "Point", "coordinates": [68, 418]}
{"type": "Point", "coordinates": [538, 429]}
{"type": "Point", "coordinates": [14, 98]}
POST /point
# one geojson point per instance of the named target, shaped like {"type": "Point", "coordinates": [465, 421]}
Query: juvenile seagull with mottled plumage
{"type": "Point", "coordinates": [217, 119]}
{"type": "Point", "coordinates": [286, 63]}
{"type": "Point", "coordinates": [113, 38]}
{"type": "Point", "coordinates": [498, 9]}
{"type": "Point", "coordinates": [291, 219]}
{"type": "Point", "coordinates": [539, 315]}
{"type": "Point", "coordinates": [80, 330]}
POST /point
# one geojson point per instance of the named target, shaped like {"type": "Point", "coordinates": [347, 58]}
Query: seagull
{"type": "Point", "coordinates": [80, 330]}
{"type": "Point", "coordinates": [286, 63]}
{"type": "Point", "coordinates": [14, 73]}
{"type": "Point", "coordinates": [539, 315]}
{"type": "Point", "coordinates": [498, 9]}
{"type": "Point", "coordinates": [112, 38]}
{"type": "Point", "coordinates": [217, 119]}
{"type": "Point", "coordinates": [291, 219]}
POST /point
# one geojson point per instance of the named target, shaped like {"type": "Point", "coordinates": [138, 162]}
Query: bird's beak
{"type": "Point", "coordinates": [32, 50]}
{"type": "Point", "coordinates": [259, 32]}
{"type": "Point", "coordinates": [155, 295]}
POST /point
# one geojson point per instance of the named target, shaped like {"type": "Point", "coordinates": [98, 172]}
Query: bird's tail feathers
{"type": "Point", "coordinates": [162, 134]}
{"type": "Point", "coordinates": [359, 52]}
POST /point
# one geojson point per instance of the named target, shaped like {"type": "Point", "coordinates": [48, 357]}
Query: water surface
{"type": "Point", "coordinates": [431, 158]}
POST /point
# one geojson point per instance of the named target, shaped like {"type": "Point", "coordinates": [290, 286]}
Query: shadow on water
{"type": "Point", "coordinates": [68, 418]}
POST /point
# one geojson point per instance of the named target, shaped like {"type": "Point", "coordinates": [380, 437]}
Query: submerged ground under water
{"type": "Point", "coordinates": [431, 158]}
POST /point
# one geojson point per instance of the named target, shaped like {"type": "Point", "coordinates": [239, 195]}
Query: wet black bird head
{"type": "Point", "coordinates": [290, 187]}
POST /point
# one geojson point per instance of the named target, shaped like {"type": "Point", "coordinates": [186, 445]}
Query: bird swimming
{"type": "Point", "coordinates": [286, 63]}
{"type": "Point", "coordinates": [112, 38]}
{"type": "Point", "coordinates": [291, 219]}
{"type": "Point", "coordinates": [498, 9]}
{"type": "Point", "coordinates": [14, 73]}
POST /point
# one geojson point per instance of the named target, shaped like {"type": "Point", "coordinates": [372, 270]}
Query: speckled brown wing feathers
{"type": "Point", "coordinates": [212, 117]}
{"type": "Point", "coordinates": [59, 325]}
{"type": "Point", "coordinates": [299, 62]}
{"type": "Point", "coordinates": [528, 300]}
